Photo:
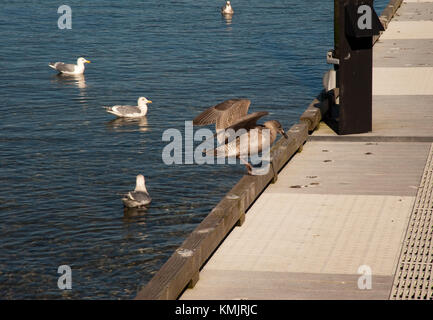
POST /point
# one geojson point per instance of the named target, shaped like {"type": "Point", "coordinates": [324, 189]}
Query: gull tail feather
{"type": "Point", "coordinates": [110, 110]}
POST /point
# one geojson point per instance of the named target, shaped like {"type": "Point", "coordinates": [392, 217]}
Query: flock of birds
{"type": "Point", "coordinates": [230, 114]}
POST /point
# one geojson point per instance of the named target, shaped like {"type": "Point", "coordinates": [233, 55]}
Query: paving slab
{"type": "Point", "coordinates": [403, 53]}
{"type": "Point", "coordinates": [414, 11]}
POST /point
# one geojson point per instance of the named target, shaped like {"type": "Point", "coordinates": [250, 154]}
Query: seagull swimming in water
{"type": "Point", "coordinates": [70, 69]}
{"type": "Point", "coordinates": [227, 9]}
{"type": "Point", "coordinates": [139, 197]}
{"type": "Point", "coordinates": [130, 111]}
{"type": "Point", "coordinates": [232, 115]}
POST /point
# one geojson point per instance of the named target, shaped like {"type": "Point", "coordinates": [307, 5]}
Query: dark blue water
{"type": "Point", "coordinates": [64, 162]}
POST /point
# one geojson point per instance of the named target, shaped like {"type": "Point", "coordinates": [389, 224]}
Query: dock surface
{"type": "Point", "coordinates": [348, 205]}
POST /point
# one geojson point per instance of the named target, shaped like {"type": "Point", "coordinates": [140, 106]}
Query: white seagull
{"type": "Point", "coordinates": [227, 9]}
{"type": "Point", "coordinates": [72, 69]}
{"type": "Point", "coordinates": [139, 197]}
{"type": "Point", "coordinates": [130, 111]}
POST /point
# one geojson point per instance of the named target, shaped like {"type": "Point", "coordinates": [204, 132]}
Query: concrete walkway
{"type": "Point", "coordinates": [348, 205]}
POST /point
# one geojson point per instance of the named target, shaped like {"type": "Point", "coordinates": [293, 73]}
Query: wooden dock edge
{"type": "Point", "coordinates": [182, 269]}
{"type": "Point", "coordinates": [387, 15]}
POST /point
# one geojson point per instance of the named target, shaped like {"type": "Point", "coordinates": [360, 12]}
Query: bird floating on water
{"type": "Point", "coordinates": [130, 111]}
{"type": "Point", "coordinates": [139, 197]}
{"type": "Point", "coordinates": [227, 9]}
{"type": "Point", "coordinates": [70, 69]}
{"type": "Point", "coordinates": [233, 115]}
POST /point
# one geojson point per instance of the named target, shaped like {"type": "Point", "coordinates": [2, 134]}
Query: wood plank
{"type": "Point", "coordinates": [403, 81]}
{"type": "Point", "coordinates": [408, 30]}
{"type": "Point", "coordinates": [403, 53]}
{"type": "Point", "coordinates": [256, 285]}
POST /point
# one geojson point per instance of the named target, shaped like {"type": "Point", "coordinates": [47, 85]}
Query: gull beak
{"type": "Point", "coordinates": [149, 101]}
{"type": "Point", "coordinates": [284, 133]}
{"type": "Point", "coordinates": [87, 61]}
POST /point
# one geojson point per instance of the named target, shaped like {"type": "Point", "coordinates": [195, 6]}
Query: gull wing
{"type": "Point", "coordinates": [139, 196]}
{"type": "Point", "coordinates": [223, 114]}
{"type": "Point", "coordinates": [247, 122]}
{"type": "Point", "coordinates": [125, 110]}
{"type": "Point", "coordinates": [63, 67]}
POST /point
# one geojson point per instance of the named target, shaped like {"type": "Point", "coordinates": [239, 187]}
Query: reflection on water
{"type": "Point", "coordinates": [129, 213]}
{"type": "Point", "coordinates": [78, 80]}
{"type": "Point", "coordinates": [228, 18]}
{"type": "Point", "coordinates": [128, 125]}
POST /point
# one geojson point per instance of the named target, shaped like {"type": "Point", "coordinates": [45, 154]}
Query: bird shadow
{"type": "Point", "coordinates": [227, 17]}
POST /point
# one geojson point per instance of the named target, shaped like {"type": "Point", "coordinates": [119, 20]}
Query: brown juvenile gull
{"type": "Point", "coordinates": [70, 69]}
{"type": "Point", "coordinates": [231, 116]}
{"type": "Point", "coordinates": [139, 197]}
{"type": "Point", "coordinates": [226, 114]}
{"type": "Point", "coordinates": [257, 138]}
{"type": "Point", "coordinates": [227, 9]}
{"type": "Point", "coordinates": [130, 111]}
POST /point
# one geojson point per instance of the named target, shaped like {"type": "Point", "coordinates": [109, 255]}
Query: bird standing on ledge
{"type": "Point", "coordinates": [227, 9]}
{"type": "Point", "coordinates": [233, 115]}
{"type": "Point", "coordinates": [257, 137]}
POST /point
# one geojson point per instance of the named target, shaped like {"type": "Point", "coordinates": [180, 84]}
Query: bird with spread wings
{"type": "Point", "coordinates": [231, 116]}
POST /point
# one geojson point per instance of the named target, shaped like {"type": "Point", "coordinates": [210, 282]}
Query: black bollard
{"type": "Point", "coordinates": [355, 24]}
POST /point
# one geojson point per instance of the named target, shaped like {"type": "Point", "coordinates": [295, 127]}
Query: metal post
{"type": "Point", "coordinates": [353, 46]}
